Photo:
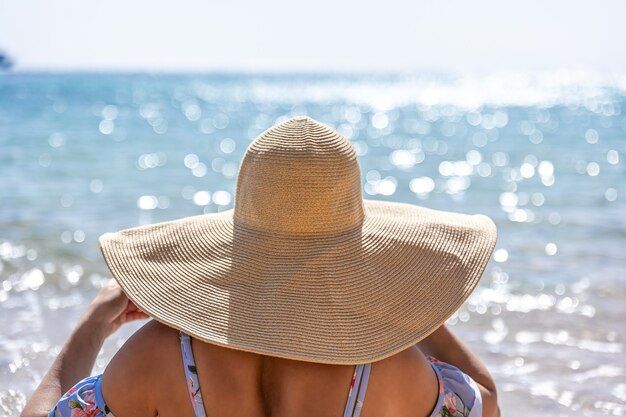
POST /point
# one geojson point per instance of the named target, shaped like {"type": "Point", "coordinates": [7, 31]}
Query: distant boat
{"type": "Point", "coordinates": [5, 62]}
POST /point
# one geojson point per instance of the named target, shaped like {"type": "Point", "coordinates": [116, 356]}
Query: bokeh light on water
{"type": "Point", "coordinates": [81, 155]}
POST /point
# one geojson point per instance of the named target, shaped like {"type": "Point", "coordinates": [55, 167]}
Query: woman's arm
{"type": "Point", "coordinates": [106, 313]}
{"type": "Point", "coordinates": [445, 346]}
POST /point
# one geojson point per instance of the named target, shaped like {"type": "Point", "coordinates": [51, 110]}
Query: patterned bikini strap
{"type": "Point", "coordinates": [191, 374]}
{"type": "Point", "coordinates": [358, 387]}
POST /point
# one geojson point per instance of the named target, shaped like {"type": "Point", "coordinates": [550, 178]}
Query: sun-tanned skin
{"type": "Point", "coordinates": [146, 377]}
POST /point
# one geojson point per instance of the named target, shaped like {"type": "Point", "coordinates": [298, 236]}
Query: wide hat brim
{"type": "Point", "coordinates": [353, 297]}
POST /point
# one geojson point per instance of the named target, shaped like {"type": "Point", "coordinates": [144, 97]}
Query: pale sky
{"type": "Point", "coordinates": [314, 36]}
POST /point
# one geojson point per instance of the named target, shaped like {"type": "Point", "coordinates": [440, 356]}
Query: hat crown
{"type": "Point", "coordinates": [299, 177]}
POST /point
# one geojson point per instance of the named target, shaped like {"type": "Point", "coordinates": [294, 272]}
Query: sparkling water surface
{"type": "Point", "coordinates": [85, 154]}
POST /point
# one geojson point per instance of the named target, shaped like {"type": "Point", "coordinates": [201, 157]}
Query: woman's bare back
{"type": "Point", "coordinates": [147, 378]}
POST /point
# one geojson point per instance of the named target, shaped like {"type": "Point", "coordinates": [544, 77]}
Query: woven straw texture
{"type": "Point", "coordinates": [302, 267]}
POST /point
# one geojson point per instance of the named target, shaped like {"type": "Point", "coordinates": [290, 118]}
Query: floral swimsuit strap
{"type": "Point", "coordinates": [191, 375]}
{"type": "Point", "coordinates": [459, 395]}
{"type": "Point", "coordinates": [358, 387]}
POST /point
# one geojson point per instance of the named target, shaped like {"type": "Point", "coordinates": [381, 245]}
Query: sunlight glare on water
{"type": "Point", "coordinates": [541, 155]}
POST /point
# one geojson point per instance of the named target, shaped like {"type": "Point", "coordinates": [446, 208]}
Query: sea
{"type": "Point", "coordinates": [543, 154]}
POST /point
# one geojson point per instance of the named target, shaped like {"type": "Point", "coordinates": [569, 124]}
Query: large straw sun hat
{"type": "Point", "coordinates": [303, 267]}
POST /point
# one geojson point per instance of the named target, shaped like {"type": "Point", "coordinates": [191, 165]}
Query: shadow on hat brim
{"type": "Point", "coordinates": [354, 297]}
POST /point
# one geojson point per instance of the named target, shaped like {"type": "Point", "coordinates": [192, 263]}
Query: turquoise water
{"type": "Point", "coordinates": [83, 154]}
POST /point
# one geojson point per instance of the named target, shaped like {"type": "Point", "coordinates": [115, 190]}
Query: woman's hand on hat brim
{"type": "Point", "coordinates": [111, 308]}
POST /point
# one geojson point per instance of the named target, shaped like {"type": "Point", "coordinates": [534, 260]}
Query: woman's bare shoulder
{"type": "Point", "coordinates": [131, 383]}
{"type": "Point", "coordinates": [153, 340]}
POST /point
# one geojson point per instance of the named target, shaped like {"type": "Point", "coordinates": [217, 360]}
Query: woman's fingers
{"type": "Point", "coordinates": [112, 308]}
{"type": "Point", "coordinates": [136, 315]}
